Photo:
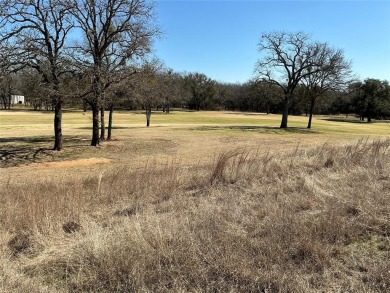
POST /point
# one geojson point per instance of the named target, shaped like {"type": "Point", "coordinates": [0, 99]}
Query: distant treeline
{"type": "Point", "coordinates": [369, 99]}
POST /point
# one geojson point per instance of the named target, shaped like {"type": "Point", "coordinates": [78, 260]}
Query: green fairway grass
{"type": "Point", "coordinates": [26, 123]}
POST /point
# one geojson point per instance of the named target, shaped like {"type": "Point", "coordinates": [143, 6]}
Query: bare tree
{"type": "Point", "coordinates": [6, 86]}
{"type": "Point", "coordinates": [168, 89]}
{"type": "Point", "coordinates": [146, 87]}
{"type": "Point", "coordinates": [114, 34]}
{"type": "Point", "coordinates": [5, 78]}
{"type": "Point", "coordinates": [37, 31]}
{"type": "Point", "coordinates": [332, 74]}
{"type": "Point", "coordinates": [34, 90]}
{"type": "Point", "coordinates": [288, 56]}
{"type": "Point", "coordinates": [115, 94]}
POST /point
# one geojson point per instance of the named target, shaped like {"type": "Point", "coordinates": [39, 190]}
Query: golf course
{"type": "Point", "coordinates": [200, 201]}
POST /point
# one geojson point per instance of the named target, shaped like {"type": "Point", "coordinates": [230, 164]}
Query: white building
{"type": "Point", "coordinates": [17, 99]}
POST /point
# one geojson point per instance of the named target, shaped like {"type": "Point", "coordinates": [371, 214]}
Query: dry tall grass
{"type": "Point", "coordinates": [312, 220]}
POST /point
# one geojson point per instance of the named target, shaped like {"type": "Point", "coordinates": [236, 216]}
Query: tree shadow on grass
{"type": "Point", "coordinates": [26, 139]}
{"type": "Point", "coordinates": [128, 127]}
{"type": "Point", "coordinates": [15, 157]}
{"type": "Point", "coordinates": [16, 151]}
{"type": "Point", "coordinates": [351, 120]}
{"type": "Point", "coordinates": [247, 114]}
{"type": "Point", "coordinates": [345, 120]}
{"type": "Point", "coordinates": [259, 129]}
{"type": "Point", "coordinates": [113, 128]}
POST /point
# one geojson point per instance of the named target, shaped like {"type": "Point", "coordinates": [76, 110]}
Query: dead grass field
{"type": "Point", "coordinates": [198, 202]}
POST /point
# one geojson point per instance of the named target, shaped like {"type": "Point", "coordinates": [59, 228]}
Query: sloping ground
{"type": "Point", "coordinates": [312, 219]}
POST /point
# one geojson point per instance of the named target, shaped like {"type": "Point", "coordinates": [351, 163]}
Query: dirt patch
{"type": "Point", "coordinates": [72, 163]}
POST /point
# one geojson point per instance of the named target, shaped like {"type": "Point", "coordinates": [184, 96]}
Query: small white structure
{"type": "Point", "coordinates": [17, 99]}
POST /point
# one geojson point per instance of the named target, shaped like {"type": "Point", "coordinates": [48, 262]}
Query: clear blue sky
{"type": "Point", "coordinates": [220, 38]}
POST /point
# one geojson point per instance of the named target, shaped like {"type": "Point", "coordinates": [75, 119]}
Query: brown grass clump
{"type": "Point", "coordinates": [20, 243]}
{"type": "Point", "coordinates": [71, 227]}
{"type": "Point", "coordinates": [308, 220]}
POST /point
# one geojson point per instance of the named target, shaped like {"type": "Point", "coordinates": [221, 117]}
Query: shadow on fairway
{"type": "Point", "coordinates": [116, 127]}
{"type": "Point", "coordinates": [20, 156]}
{"type": "Point", "coordinates": [41, 139]}
{"type": "Point", "coordinates": [26, 139]}
{"type": "Point", "coordinates": [247, 114]}
{"type": "Point", "coordinates": [260, 129]}
{"type": "Point", "coordinates": [345, 120]}
{"type": "Point", "coordinates": [127, 127]}
{"type": "Point", "coordinates": [16, 151]}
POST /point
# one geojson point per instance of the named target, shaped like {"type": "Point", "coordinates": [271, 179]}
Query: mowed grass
{"type": "Point", "coordinates": [31, 123]}
{"type": "Point", "coordinates": [75, 121]}
{"type": "Point", "coordinates": [27, 136]}
{"type": "Point", "coordinates": [198, 202]}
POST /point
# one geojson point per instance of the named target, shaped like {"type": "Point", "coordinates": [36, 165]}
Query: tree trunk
{"type": "Point", "coordinates": [102, 125]}
{"type": "Point", "coordinates": [110, 122]}
{"type": "Point", "coordinates": [58, 125]}
{"type": "Point", "coordinates": [311, 110]}
{"type": "Point", "coordinates": [4, 104]}
{"type": "Point", "coordinates": [9, 96]}
{"type": "Point", "coordinates": [95, 125]}
{"type": "Point", "coordinates": [285, 111]}
{"type": "Point", "coordinates": [7, 103]}
{"type": "Point", "coordinates": [148, 115]}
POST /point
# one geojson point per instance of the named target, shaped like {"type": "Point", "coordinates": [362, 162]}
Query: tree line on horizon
{"type": "Point", "coordinates": [195, 91]}
{"type": "Point", "coordinates": [110, 66]}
